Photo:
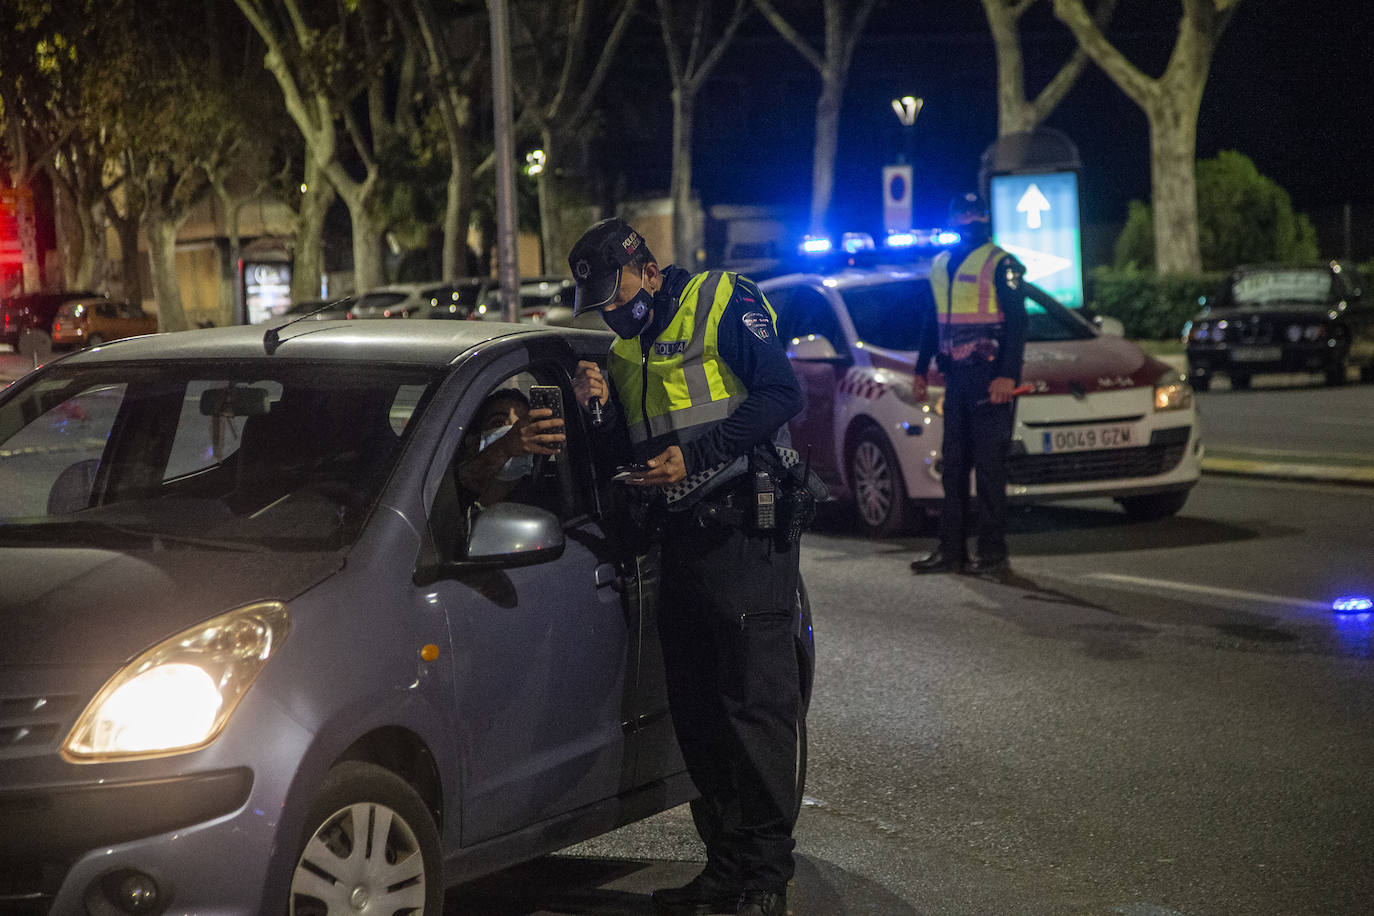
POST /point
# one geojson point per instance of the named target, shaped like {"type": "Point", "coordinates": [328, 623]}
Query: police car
{"type": "Point", "coordinates": [1102, 418]}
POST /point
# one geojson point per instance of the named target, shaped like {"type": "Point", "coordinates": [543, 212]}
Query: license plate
{"type": "Point", "coordinates": [1256, 354]}
{"type": "Point", "coordinates": [1084, 438]}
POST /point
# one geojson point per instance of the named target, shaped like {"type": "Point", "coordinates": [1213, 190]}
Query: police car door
{"type": "Point", "coordinates": [540, 650]}
{"type": "Point", "coordinates": [806, 322]}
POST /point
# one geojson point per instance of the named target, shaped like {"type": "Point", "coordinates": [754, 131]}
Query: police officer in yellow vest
{"type": "Point", "coordinates": [978, 337]}
{"type": "Point", "coordinates": [700, 394]}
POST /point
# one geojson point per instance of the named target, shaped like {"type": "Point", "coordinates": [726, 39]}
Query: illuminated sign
{"type": "Point", "coordinates": [1035, 217]}
{"type": "Point", "coordinates": [896, 198]}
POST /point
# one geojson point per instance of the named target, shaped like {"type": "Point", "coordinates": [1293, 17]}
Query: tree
{"type": "Point", "coordinates": [1016, 112]}
{"type": "Point", "coordinates": [1243, 218]}
{"type": "Point", "coordinates": [841, 37]}
{"type": "Point", "coordinates": [689, 72]}
{"type": "Point", "coordinates": [1171, 103]}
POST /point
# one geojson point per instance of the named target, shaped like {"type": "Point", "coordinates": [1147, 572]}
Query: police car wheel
{"type": "Point", "coordinates": [876, 480]}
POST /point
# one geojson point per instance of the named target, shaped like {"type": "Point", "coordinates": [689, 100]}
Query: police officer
{"type": "Point", "coordinates": [700, 394]}
{"type": "Point", "coordinates": [978, 330]}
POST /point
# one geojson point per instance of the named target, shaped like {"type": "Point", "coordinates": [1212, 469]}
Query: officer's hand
{"type": "Point", "coordinates": [589, 383]}
{"type": "Point", "coordinates": [918, 387]}
{"type": "Point", "coordinates": [667, 468]}
{"type": "Point", "coordinates": [999, 391]}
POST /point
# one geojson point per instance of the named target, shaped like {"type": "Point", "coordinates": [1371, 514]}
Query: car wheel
{"type": "Point", "coordinates": [1335, 374]}
{"type": "Point", "coordinates": [369, 844]}
{"type": "Point", "coordinates": [1154, 506]}
{"type": "Point", "coordinates": [1240, 381]}
{"type": "Point", "coordinates": [876, 479]}
{"type": "Point", "coordinates": [33, 342]}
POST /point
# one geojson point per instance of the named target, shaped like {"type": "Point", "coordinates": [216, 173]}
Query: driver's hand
{"type": "Point", "coordinates": [667, 468]}
{"type": "Point", "coordinates": [539, 433]}
{"type": "Point", "coordinates": [589, 383]}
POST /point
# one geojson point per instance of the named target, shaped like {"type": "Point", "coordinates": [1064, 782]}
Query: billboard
{"type": "Point", "coordinates": [1035, 217]}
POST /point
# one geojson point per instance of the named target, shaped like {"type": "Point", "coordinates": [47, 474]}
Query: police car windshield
{"type": "Point", "coordinates": [890, 315]}
{"type": "Point", "coordinates": [1047, 319]}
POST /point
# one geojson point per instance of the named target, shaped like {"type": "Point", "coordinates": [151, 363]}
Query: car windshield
{"type": "Point", "coordinates": [889, 314]}
{"type": "Point", "coordinates": [242, 454]}
{"type": "Point", "coordinates": [1270, 286]}
{"type": "Point", "coordinates": [1047, 319]}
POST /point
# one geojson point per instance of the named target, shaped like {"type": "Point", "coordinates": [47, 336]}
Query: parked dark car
{"type": "Point", "coordinates": [27, 319]}
{"type": "Point", "coordinates": [1270, 318]}
{"type": "Point", "coordinates": [261, 656]}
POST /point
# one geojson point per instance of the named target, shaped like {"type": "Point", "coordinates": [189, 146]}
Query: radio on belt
{"type": "Point", "coordinates": [763, 501]}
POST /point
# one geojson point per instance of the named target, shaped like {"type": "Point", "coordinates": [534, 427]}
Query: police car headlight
{"type": "Point", "coordinates": [1172, 392]}
{"type": "Point", "coordinates": [177, 696]}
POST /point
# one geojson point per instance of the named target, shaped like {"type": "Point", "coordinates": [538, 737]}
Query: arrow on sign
{"type": "Point", "coordinates": [1039, 264]}
{"type": "Point", "coordinates": [1032, 203]}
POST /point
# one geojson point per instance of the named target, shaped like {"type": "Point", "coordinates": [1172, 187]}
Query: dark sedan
{"type": "Point", "coordinates": [1283, 319]}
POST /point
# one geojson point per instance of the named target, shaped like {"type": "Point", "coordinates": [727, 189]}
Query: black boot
{"type": "Point", "coordinates": [761, 903]}
{"type": "Point", "coordinates": [937, 561]}
{"type": "Point", "coordinates": [991, 564]}
{"type": "Point", "coordinates": [707, 893]}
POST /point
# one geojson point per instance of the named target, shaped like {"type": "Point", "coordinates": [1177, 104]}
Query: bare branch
{"type": "Point", "coordinates": [790, 35]}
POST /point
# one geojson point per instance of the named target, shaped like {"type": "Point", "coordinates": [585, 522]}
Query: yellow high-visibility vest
{"type": "Point", "coordinates": [681, 385]}
{"type": "Point", "coordinates": [972, 297]}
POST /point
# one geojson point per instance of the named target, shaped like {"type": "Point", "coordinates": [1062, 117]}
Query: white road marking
{"type": "Point", "coordinates": [1258, 597]}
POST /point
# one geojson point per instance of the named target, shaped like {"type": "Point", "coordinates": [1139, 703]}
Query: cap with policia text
{"type": "Point", "coordinates": [596, 261]}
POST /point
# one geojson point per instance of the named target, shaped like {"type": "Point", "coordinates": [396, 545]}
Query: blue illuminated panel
{"type": "Point", "coordinates": [1035, 217]}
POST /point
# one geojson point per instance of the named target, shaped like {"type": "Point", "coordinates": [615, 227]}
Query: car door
{"type": "Point", "coordinates": [542, 652]}
{"type": "Point", "coordinates": [804, 311]}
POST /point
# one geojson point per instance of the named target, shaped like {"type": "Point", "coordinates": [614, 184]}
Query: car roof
{"type": "Point", "coordinates": [429, 343]}
{"type": "Point", "coordinates": [852, 277]}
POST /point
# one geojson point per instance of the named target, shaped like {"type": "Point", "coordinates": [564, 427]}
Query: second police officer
{"type": "Point", "coordinates": [700, 394]}
{"type": "Point", "coordinates": [977, 335]}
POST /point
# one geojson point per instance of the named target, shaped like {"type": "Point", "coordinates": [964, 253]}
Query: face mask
{"type": "Point", "coordinates": [975, 233]}
{"type": "Point", "coordinates": [632, 318]}
{"type": "Point", "coordinates": [514, 468]}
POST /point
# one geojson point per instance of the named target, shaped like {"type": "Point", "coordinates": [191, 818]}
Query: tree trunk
{"type": "Point", "coordinates": [827, 141]}
{"type": "Point", "coordinates": [368, 229]}
{"type": "Point", "coordinates": [1014, 113]}
{"type": "Point", "coordinates": [685, 243]}
{"type": "Point", "coordinates": [1173, 177]}
{"type": "Point", "coordinates": [457, 214]}
{"type": "Point", "coordinates": [307, 269]}
{"type": "Point", "coordinates": [162, 243]}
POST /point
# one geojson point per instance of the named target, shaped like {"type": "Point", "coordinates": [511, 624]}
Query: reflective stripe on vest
{"type": "Point", "coordinates": [682, 385]}
{"type": "Point", "coordinates": [973, 292]}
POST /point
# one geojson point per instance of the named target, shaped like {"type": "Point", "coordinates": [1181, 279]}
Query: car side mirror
{"type": "Point", "coordinates": [1110, 327]}
{"type": "Point", "coordinates": [813, 348]}
{"type": "Point", "coordinates": [503, 536]}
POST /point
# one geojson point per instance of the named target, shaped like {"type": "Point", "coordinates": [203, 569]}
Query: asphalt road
{"type": "Point", "coordinates": [1144, 719]}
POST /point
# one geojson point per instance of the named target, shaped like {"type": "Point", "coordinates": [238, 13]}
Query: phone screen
{"type": "Point", "coordinates": [549, 396]}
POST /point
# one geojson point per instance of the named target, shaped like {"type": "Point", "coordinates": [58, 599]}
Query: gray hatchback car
{"type": "Point", "coordinates": [259, 655]}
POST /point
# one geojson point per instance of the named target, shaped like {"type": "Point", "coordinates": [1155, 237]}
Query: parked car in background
{"type": "Point", "coordinates": [262, 656]}
{"type": "Point", "coordinates": [1273, 318]}
{"type": "Point", "coordinates": [1103, 418]}
{"type": "Point", "coordinates": [90, 322]}
{"type": "Point", "coordinates": [457, 299]}
{"type": "Point", "coordinates": [26, 319]}
{"type": "Point", "coordinates": [315, 310]}
{"type": "Point", "coordinates": [539, 296]}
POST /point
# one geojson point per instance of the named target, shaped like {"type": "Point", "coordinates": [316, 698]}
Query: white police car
{"type": "Point", "coordinates": [1103, 418]}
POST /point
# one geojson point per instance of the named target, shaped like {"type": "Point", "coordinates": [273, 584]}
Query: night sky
{"type": "Point", "coordinates": [1291, 86]}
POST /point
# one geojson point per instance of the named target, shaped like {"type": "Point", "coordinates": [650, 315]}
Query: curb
{"type": "Point", "coordinates": [1356, 475]}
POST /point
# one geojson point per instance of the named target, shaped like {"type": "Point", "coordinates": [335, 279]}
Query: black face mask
{"type": "Point", "coordinates": [975, 233]}
{"type": "Point", "coordinates": [632, 318]}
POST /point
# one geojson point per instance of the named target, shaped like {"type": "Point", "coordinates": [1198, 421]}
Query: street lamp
{"type": "Point", "coordinates": [534, 162]}
{"type": "Point", "coordinates": [907, 108]}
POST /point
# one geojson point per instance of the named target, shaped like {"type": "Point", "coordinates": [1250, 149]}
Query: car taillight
{"type": "Point", "coordinates": [57, 327]}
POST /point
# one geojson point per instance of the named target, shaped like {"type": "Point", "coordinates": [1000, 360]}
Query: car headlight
{"type": "Point", "coordinates": [1198, 331]}
{"type": "Point", "coordinates": [1172, 392]}
{"type": "Point", "coordinates": [1314, 331]}
{"type": "Point", "coordinates": [176, 696]}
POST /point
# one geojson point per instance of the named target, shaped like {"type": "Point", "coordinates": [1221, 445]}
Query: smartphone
{"type": "Point", "coordinates": [550, 396]}
{"type": "Point", "coordinates": [626, 471]}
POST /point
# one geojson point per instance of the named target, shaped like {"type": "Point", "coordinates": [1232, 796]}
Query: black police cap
{"type": "Point", "coordinates": [596, 260]}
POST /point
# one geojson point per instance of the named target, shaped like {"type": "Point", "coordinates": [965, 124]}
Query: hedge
{"type": "Point", "coordinates": [1149, 306]}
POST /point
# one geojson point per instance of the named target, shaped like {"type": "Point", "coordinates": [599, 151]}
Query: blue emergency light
{"type": "Point", "coordinates": [1352, 604]}
{"type": "Point", "coordinates": [815, 244]}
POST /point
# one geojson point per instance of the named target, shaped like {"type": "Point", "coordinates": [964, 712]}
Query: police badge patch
{"type": "Point", "coordinates": [759, 324]}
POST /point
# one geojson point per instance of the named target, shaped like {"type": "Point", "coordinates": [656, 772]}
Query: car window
{"type": "Point", "coordinates": [256, 452]}
{"type": "Point", "coordinates": [1271, 286]}
{"type": "Point", "coordinates": [890, 315]}
{"type": "Point", "coordinates": [802, 311]}
{"type": "Point", "coordinates": [1047, 319]}
{"type": "Point", "coordinates": [54, 427]}
{"type": "Point", "coordinates": [379, 300]}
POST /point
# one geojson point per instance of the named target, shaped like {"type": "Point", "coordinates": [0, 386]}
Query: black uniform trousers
{"type": "Point", "coordinates": [726, 624]}
{"type": "Point", "coordinates": [977, 437]}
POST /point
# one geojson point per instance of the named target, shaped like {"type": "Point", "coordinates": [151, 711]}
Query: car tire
{"type": "Point", "coordinates": [875, 477]}
{"type": "Point", "coordinates": [1240, 381]}
{"type": "Point", "coordinates": [33, 342]}
{"type": "Point", "coordinates": [1153, 506]}
{"type": "Point", "coordinates": [407, 866]}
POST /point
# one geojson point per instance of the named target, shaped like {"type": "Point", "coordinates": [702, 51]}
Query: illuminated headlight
{"type": "Point", "coordinates": [1172, 392]}
{"type": "Point", "coordinates": [1199, 331]}
{"type": "Point", "coordinates": [176, 696]}
{"type": "Point", "coordinates": [1313, 331]}
{"type": "Point", "coordinates": [1294, 332]}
